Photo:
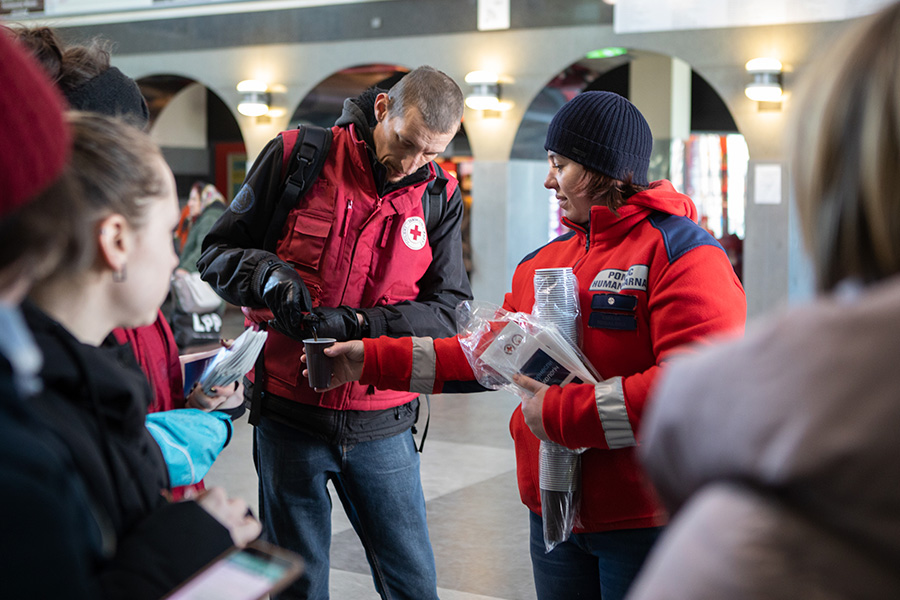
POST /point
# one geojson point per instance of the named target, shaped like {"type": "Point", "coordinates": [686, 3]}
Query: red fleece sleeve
{"type": "Point", "coordinates": [695, 300]}
{"type": "Point", "coordinates": [451, 363]}
{"type": "Point", "coordinates": [387, 363]}
{"type": "Point", "coordinates": [575, 407]}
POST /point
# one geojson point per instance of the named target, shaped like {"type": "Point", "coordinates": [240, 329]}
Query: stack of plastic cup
{"type": "Point", "coordinates": [556, 301]}
{"type": "Point", "coordinates": [560, 483]}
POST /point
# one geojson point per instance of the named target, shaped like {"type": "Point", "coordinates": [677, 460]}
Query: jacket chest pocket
{"type": "Point", "coordinates": [306, 240]}
{"type": "Point", "coordinates": [613, 311]}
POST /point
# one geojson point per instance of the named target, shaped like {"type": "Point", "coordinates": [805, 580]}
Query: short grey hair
{"type": "Point", "coordinates": [433, 93]}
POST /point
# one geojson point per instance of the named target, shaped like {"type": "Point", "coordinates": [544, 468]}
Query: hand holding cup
{"type": "Point", "coordinates": [346, 360]}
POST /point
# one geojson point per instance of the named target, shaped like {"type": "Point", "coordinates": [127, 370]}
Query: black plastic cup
{"type": "Point", "coordinates": [317, 363]}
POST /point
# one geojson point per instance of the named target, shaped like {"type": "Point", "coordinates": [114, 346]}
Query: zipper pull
{"type": "Point", "coordinates": [347, 214]}
{"type": "Point", "coordinates": [387, 229]}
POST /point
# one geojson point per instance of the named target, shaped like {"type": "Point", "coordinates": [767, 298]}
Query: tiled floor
{"type": "Point", "coordinates": [478, 526]}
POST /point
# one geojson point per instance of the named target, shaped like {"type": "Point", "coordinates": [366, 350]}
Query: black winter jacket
{"type": "Point", "coordinates": [95, 401]}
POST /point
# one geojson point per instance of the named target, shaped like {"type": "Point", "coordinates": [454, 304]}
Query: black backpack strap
{"type": "Point", "coordinates": [434, 200]}
{"type": "Point", "coordinates": [427, 422]}
{"type": "Point", "coordinates": [259, 385]}
{"type": "Point", "coordinates": [304, 165]}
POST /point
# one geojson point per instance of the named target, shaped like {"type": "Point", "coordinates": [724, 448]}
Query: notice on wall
{"type": "Point", "coordinates": [635, 16]}
{"type": "Point", "coordinates": [72, 7]}
{"type": "Point", "coordinates": [767, 184]}
{"type": "Point", "coordinates": [8, 7]}
{"type": "Point", "coordinates": [493, 14]}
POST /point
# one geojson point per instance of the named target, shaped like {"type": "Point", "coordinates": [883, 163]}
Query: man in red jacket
{"type": "Point", "coordinates": [354, 257]}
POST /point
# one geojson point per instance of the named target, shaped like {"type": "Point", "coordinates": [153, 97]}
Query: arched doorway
{"type": "Point", "coordinates": [197, 132]}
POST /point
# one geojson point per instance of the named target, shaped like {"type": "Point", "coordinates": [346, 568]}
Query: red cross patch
{"type": "Point", "coordinates": [413, 233]}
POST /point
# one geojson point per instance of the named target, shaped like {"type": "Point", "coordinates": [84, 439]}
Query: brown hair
{"type": "Point", "coordinates": [40, 237]}
{"type": "Point", "coordinates": [845, 151]}
{"type": "Point", "coordinates": [433, 93]}
{"type": "Point", "coordinates": [68, 66]}
{"type": "Point", "coordinates": [608, 191]}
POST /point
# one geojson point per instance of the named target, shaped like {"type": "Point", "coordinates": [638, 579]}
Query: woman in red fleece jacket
{"type": "Point", "coordinates": [651, 283]}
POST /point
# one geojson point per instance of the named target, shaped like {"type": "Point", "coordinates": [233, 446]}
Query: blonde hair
{"type": "Point", "coordinates": [845, 151]}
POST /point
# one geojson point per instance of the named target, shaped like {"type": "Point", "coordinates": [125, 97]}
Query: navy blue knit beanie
{"type": "Point", "coordinates": [604, 132]}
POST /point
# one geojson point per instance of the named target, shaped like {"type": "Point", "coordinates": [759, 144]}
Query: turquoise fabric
{"type": "Point", "coordinates": [190, 441]}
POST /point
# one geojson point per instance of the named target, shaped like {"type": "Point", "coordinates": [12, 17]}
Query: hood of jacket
{"type": "Point", "coordinates": [95, 399]}
{"type": "Point", "coordinates": [660, 196]}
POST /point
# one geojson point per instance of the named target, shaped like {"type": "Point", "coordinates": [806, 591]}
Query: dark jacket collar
{"type": "Point", "coordinates": [105, 378]}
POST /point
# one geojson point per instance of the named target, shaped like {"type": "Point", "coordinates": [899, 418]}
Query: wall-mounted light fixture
{"type": "Point", "coordinates": [485, 92]}
{"type": "Point", "coordinates": [766, 84]}
{"type": "Point", "coordinates": [255, 98]}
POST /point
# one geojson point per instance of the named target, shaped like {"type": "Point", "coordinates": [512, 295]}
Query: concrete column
{"type": "Point", "coordinates": [660, 86]}
{"type": "Point", "coordinates": [510, 218]}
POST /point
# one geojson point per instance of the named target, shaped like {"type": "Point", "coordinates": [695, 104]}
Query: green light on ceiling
{"type": "Point", "coordinates": [606, 52]}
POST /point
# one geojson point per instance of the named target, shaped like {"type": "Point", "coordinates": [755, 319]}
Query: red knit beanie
{"type": "Point", "coordinates": [34, 139]}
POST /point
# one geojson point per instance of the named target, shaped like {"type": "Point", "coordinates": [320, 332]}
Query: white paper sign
{"type": "Point", "coordinates": [767, 184]}
{"type": "Point", "coordinates": [493, 14]}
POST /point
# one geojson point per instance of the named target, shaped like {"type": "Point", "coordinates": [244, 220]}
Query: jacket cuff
{"type": "Point", "coordinates": [377, 321]}
{"type": "Point", "coordinates": [387, 363]}
{"type": "Point", "coordinates": [573, 415]}
{"type": "Point", "coordinates": [260, 274]}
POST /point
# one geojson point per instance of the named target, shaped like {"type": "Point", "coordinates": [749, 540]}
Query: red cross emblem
{"type": "Point", "coordinates": [414, 234]}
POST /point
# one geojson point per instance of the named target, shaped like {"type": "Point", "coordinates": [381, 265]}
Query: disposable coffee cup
{"type": "Point", "coordinates": [317, 363]}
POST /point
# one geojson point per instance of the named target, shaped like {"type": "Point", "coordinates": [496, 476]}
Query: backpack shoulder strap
{"type": "Point", "coordinates": [303, 161]}
{"type": "Point", "coordinates": [434, 200]}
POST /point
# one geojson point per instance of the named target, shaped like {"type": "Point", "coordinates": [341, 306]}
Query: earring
{"type": "Point", "coordinates": [120, 275]}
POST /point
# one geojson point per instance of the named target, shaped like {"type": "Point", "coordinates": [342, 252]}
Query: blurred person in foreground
{"type": "Point", "coordinates": [87, 80]}
{"type": "Point", "coordinates": [778, 452]}
{"type": "Point", "coordinates": [651, 282]}
{"type": "Point", "coordinates": [56, 518]}
{"type": "Point", "coordinates": [47, 515]}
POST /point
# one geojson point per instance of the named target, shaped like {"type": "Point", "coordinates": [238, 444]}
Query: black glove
{"type": "Point", "coordinates": [287, 297]}
{"type": "Point", "coordinates": [341, 323]}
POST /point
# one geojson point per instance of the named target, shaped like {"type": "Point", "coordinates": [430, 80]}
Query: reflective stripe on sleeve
{"type": "Point", "coordinates": [611, 406]}
{"type": "Point", "coordinates": [424, 364]}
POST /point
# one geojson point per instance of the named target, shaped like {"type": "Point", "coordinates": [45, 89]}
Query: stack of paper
{"type": "Point", "coordinates": [545, 356]}
{"type": "Point", "coordinates": [230, 364]}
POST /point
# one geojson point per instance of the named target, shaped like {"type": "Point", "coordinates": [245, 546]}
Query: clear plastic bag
{"type": "Point", "coordinates": [499, 344]}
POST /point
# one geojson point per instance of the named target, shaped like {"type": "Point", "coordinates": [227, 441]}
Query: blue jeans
{"type": "Point", "coordinates": [589, 563]}
{"type": "Point", "coordinates": [379, 485]}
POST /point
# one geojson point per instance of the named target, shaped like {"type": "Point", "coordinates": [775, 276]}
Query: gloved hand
{"type": "Point", "coordinates": [341, 323]}
{"type": "Point", "coordinates": [287, 297]}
